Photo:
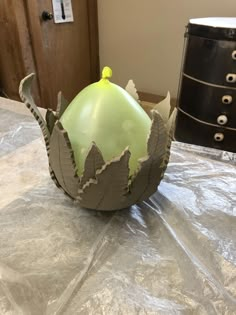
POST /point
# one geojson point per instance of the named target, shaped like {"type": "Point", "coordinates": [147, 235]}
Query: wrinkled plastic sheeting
{"type": "Point", "coordinates": [173, 254]}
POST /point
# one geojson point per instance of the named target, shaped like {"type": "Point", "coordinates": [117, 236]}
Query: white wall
{"type": "Point", "coordinates": [143, 39]}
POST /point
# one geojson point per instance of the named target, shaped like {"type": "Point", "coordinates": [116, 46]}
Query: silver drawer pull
{"type": "Point", "coordinates": [234, 55]}
{"type": "Point", "coordinates": [231, 77]}
{"type": "Point", "coordinates": [227, 99]}
{"type": "Point", "coordinates": [219, 137]}
{"type": "Point", "coordinates": [222, 120]}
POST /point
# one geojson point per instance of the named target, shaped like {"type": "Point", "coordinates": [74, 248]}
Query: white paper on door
{"type": "Point", "coordinates": [62, 11]}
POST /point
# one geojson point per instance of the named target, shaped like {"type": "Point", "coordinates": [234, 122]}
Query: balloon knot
{"type": "Point", "coordinates": [106, 73]}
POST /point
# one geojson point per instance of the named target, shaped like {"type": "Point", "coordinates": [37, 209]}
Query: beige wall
{"type": "Point", "coordinates": [143, 39]}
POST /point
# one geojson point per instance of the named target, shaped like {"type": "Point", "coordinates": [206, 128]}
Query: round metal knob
{"type": "Point", "coordinates": [46, 16]}
{"type": "Point", "coordinates": [227, 99]}
{"type": "Point", "coordinates": [231, 77]}
{"type": "Point", "coordinates": [222, 120]}
{"type": "Point", "coordinates": [219, 137]}
{"type": "Point", "coordinates": [234, 55]}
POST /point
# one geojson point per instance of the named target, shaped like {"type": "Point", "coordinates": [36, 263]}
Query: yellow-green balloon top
{"type": "Point", "coordinates": [108, 115]}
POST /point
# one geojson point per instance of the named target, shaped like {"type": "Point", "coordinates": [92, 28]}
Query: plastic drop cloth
{"type": "Point", "coordinates": [173, 254]}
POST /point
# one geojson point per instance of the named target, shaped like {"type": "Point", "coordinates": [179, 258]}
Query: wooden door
{"type": "Point", "coordinates": [66, 55]}
{"type": "Point", "coordinates": [63, 56]}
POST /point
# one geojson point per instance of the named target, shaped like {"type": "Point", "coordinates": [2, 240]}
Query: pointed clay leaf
{"type": "Point", "coordinates": [157, 127]}
{"type": "Point", "coordinates": [107, 191]}
{"type": "Point", "coordinates": [170, 130]}
{"type": "Point", "coordinates": [62, 162]}
{"type": "Point", "coordinates": [148, 177]}
{"type": "Point", "coordinates": [164, 107]}
{"type": "Point", "coordinates": [165, 160]}
{"type": "Point", "coordinates": [53, 176]}
{"type": "Point", "coordinates": [62, 104]}
{"type": "Point", "coordinates": [94, 161]}
{"type": "Point", "coordinates": [25, 94]}
{"type": "Point", "coordinates": [171, 123]}
{"type": "Point", "coordinates": [50, 119]}
{"type": "Point", "coordinates": [131, 89]}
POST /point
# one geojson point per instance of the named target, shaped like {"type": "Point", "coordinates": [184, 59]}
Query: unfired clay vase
{"type": "Point", "coordinates": [103, 185]}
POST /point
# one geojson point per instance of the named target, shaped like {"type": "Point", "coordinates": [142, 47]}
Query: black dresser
{"type": "Point", "coordinates": [207, 95]}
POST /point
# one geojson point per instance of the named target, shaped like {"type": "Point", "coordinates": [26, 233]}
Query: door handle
{"type": "Point", "coordinates": [46, 16]}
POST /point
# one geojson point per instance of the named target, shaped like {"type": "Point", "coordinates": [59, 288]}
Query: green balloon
{"type": "Point", "coordinates": [106, 114]}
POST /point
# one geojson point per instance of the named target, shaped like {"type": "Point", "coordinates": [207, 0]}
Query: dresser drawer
{"type": "Point", "coordinates": [191, 131]}
{"type": "Point", "coordinates": [210, 60]}
{"type": "Point", "coordinates": [208, 103]}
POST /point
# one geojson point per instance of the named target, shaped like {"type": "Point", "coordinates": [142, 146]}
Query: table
{"type": "Point", "coordinates": [173, 254]}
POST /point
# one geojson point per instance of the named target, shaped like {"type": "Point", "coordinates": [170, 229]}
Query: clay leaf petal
{"type": "Point", "coordinates": [51, 119]}
{"type": "Point", "coordinates": [170, 129]}
{"type": "Point", "coordinates": [149, 175]}
{"type": "Point", "coordinates": [25, 94]}
{"type": "Point", "coordinates": [109, 187]}
{"type": "Point", "coordinates": [94, 161]}
{"type": "Point", "coordinates": [166, 157]}
{"type": "Point", "coordinates": [61, 160]}
{"type": "Point", "coordinates": [131, 89]}
{"type": "Point", "coordinates": [171, 123]}
{"type": "Point", "coordinates": [62, 105]}
{"type": "Point", "coordinates": [158, 129]}
{"type": "Point", "coordinates": [164, 107]}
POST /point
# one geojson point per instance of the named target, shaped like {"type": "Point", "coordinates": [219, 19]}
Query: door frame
{"type": "Point", "coordinates": [16, 58]}
{"type": "Point", "coordinates": [93, 39]}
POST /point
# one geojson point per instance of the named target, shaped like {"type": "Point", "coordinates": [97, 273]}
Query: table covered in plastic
{"type": "Point", "coordinates": [173, 254]}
